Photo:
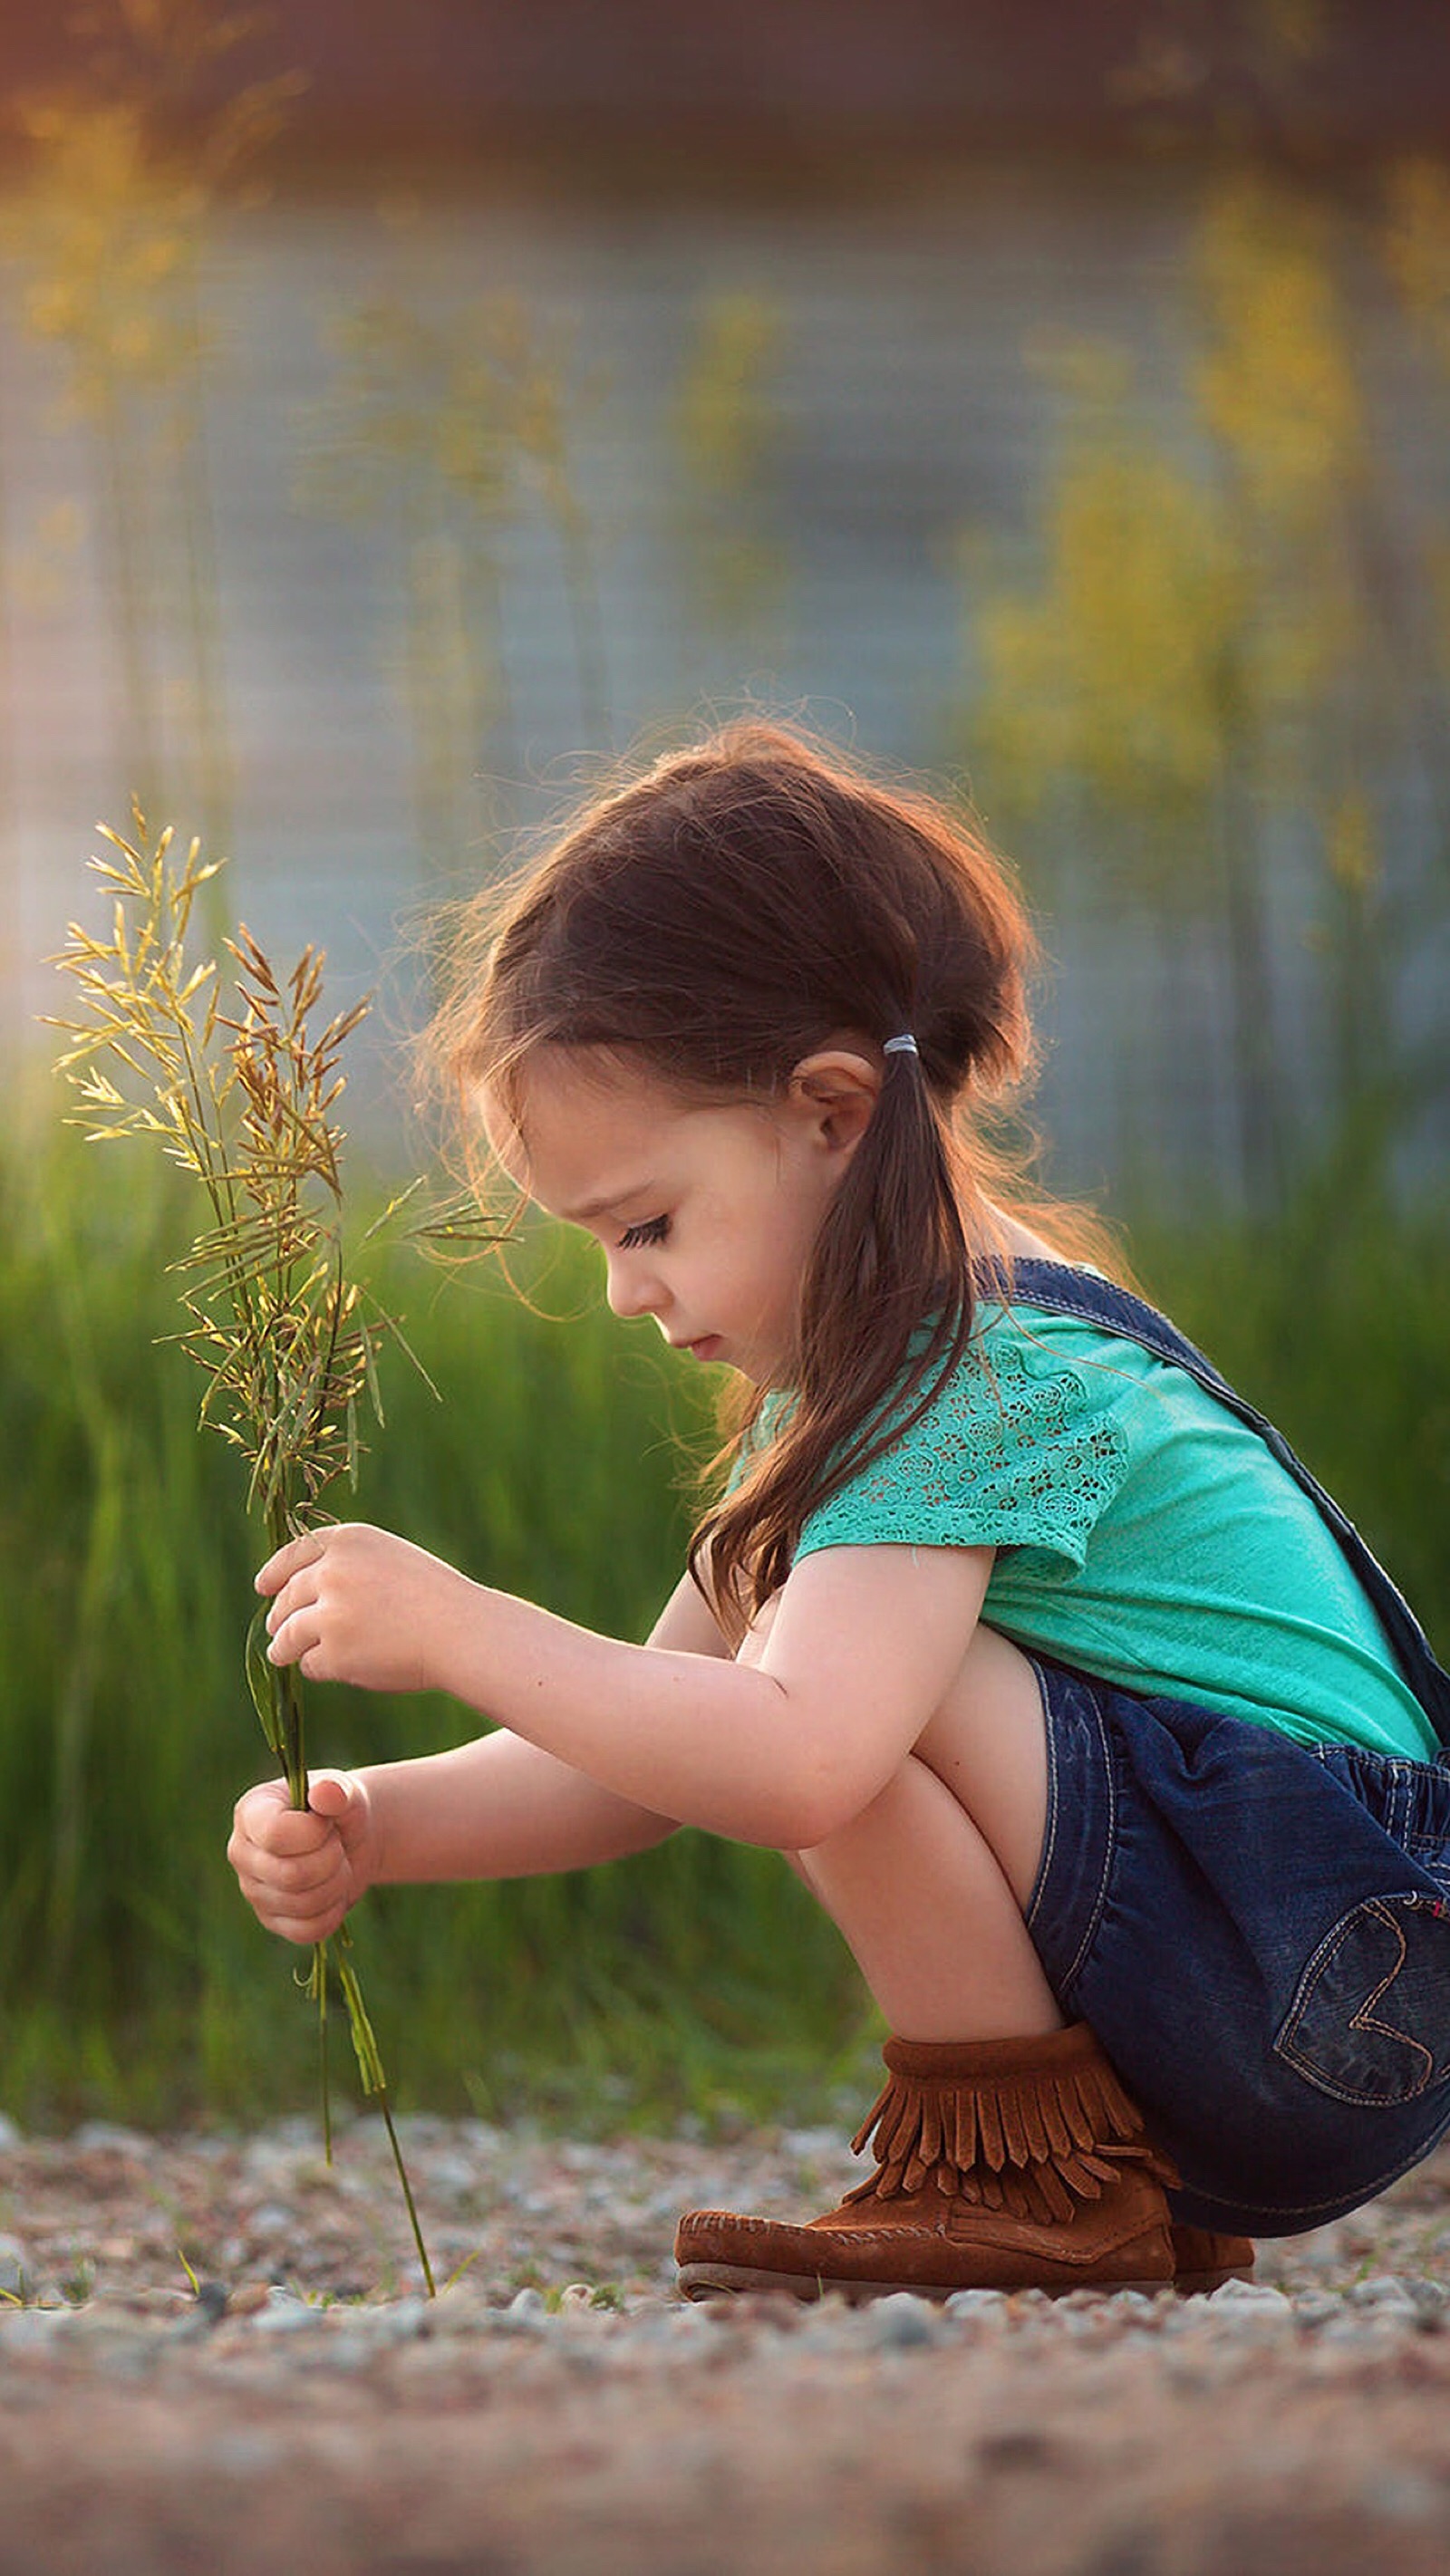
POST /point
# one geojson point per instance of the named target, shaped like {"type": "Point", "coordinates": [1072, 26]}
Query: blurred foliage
{"type": "Point", "coordinates": [1417, 246]}
{"type": "Point", "coordinates": [110, 233]}
{"type": "Point", "coordinates": [1333, 1316]}
{"type": "Point", "coordinates": [1242, 71]}
{"type": "Point", "coordinates": [442, 429]}
{"type": "Point", "coordinates": [1111, 676]}
{"type": "Point", "coordinates": [1235, 645]}
{"type": "Point", "coordinates": [729, 433]}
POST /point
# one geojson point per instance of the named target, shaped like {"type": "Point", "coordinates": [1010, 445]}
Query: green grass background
{"type": "Point", "coordinates": [696, 1980]}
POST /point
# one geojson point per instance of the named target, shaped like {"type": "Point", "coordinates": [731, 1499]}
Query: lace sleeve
{"type": "Point", "coordinates": [1018, 1450]}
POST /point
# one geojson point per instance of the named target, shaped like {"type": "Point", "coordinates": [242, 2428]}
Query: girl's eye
{"type": "Point", "coordinates": [653, 1230]}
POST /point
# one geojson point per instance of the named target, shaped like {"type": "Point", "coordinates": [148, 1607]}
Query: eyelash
{"type": "Point", "coordinates": [653, 1230]}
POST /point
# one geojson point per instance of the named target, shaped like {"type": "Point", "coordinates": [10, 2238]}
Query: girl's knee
{"type": "Point", "coordinates": [987, 1744]}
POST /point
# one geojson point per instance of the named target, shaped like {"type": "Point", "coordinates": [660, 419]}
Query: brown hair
{"type": "Point", "coordinates": [717, 920]}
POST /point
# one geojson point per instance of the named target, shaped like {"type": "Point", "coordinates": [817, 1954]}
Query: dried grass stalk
{"type": "Point", "coordinates": [243, 1098]}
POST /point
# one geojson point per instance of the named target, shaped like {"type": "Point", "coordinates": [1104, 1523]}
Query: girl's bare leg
{"type": "Point", "coordinates": [1007, 2154]}
{"type": "Point", "coordinates": [928, 1883]}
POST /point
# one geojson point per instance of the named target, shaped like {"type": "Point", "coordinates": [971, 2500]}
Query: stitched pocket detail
{"type": "Point", "coordinates": [1370, 2020]}
{"type": "Point", "coordinates": [1430, 1853]}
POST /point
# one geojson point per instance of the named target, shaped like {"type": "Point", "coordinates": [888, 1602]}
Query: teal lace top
{"type": "Point", "coordinates": [1143, 1533]}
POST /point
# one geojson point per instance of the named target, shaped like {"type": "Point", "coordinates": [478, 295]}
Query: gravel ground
{"type": "Point", "coordinates": [558, 2412]}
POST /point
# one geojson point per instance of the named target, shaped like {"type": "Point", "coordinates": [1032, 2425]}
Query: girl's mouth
{"type": "Point", "coordinates": [705, 1348]}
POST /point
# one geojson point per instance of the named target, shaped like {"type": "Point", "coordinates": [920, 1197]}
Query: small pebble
{"type": "Point", "coordinates": [273, 2220]}
{"type": "Point", "coordinates": [1404, 2495]}
{"type": "Point", "coordinates": [670, 2326]}
{"type": "Point", "coordinates": [244, 2453]}
{"type": "Point", "coordinates": [1368, 2331]}
{"type": "Point", "coordinates": [94, 2135]}
{"type": "Point", "coordinates": [829, 2328]}
{"type": "Point", "coordinates": [284, 2313]}
{"type": "Point", "coordinates": [1316, 2307]}
{"type": "Point", "coordinates": [1385, 2290]}
{"type": "Point", "coordinates": [808, 2144]}
{"type": "Point", "coordinates": [402, 2321]}
{"type": "Point", "coordinates": [455, 2176]}
{"type": "Point", "coordinates": [900, 2323]}
{"type": "Point", "coordinates": [248, 2298]}
{"type": "Point", "coordinates": [34, 2329]}
{"type": "Point", "coordinates": [1240, 2296]}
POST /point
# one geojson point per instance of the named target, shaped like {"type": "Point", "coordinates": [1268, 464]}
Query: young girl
{"type": "Point", "coordinates": [1107, 1745]}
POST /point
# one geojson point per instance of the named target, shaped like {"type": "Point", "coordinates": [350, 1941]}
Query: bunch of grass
{"type": "Point", "coordinates": [242, 1099]}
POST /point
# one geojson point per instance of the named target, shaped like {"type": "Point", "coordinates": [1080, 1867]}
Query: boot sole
{"type": "Point", "coordinates": [726, 2280]}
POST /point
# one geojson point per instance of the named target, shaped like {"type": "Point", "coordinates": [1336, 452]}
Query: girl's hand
{"type": "Point", "coordinates": [301, 1869]}
{"type": "Point", "coordinates": [353, 1604]}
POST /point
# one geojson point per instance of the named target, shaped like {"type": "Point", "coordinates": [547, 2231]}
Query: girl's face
{"type": "Point", "coordinates": [707, 1214]}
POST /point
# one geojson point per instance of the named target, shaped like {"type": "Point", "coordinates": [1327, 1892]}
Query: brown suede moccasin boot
{"type": "Point", "coordinates": [1204, 2260]}
{"type": "Point", "coordinates": [1001, 2164]}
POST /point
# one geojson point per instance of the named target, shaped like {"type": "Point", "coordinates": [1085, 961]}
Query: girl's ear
{"type": "Point", "coordinates": [836, 1091]}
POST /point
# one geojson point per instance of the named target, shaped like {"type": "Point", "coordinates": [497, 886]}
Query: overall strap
{"type": "Point", "coordinates": [1063, 1290]}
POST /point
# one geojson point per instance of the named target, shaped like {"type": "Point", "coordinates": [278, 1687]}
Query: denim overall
{"type": "Point", "coordinates": [1257, 1931]}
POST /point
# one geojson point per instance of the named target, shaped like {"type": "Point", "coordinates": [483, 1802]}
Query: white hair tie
{"type": "Point", "coordinates": [904, 1045]}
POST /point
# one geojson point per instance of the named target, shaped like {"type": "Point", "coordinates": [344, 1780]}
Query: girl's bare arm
{"type": "Point", "coordinates": [504, 1808]}
{"type": "Point", "coordinates": [496, 1808]}
{"type": "Point", "coordinates": [779, 1747]}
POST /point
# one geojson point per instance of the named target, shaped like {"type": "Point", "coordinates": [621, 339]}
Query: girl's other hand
{"type": "Point", "coordinates": [354, 1604]}
{"type": "Point", "coordinates": [302, 1868]}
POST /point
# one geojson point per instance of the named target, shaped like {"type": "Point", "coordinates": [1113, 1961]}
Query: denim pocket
{"type": "Point", "coordinates": [1370, 2019]}
{"type": "Point", "coordinates": [1429, 1853]}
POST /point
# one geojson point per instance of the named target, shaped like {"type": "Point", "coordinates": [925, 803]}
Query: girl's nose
{"type": "Point", "coordinates": [631, 1287]}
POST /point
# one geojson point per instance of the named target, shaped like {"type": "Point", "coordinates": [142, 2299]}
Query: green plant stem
{"type": "Point", "coordinates": [407, 2191]}
{"type": "Point", "coordinates": [324, 2070]}
{"type": "Point", "coordinates": [288, 1731]}
{"type": "Point", "coordinates": [370, 2067]}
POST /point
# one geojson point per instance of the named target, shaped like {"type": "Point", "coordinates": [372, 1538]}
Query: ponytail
{"type": "Point", "coordinates": [886, 1311]}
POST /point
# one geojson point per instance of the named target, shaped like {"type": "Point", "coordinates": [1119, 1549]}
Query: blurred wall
{"type": "Point", "coordinates": [800, 74]}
